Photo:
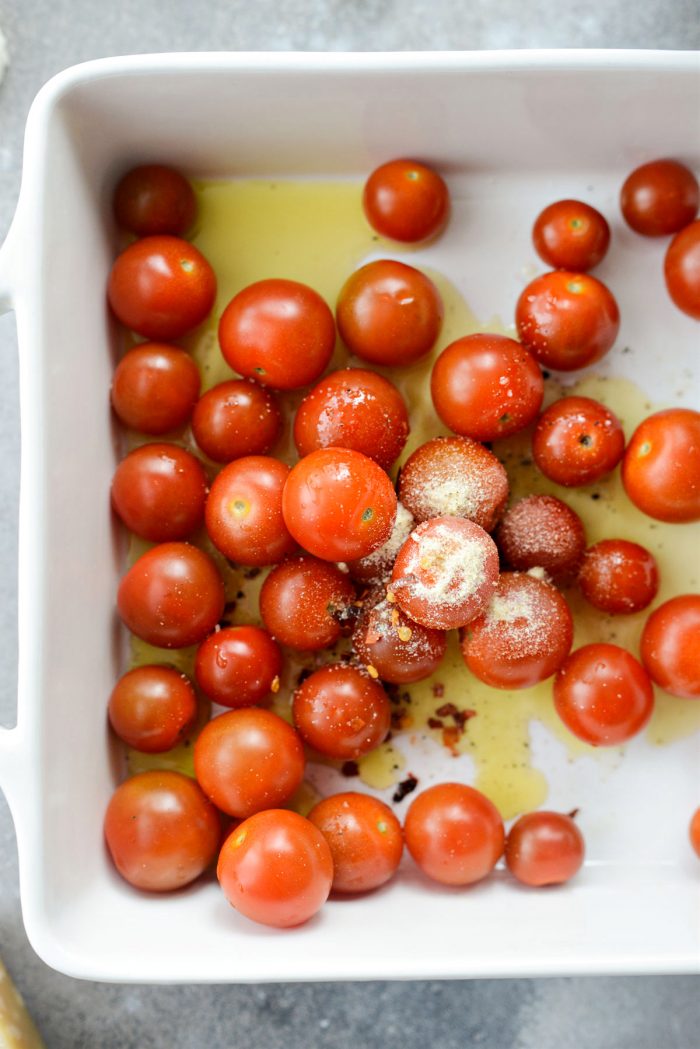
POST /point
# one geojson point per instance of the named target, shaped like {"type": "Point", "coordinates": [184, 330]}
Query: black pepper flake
{"type": "Point", "coordinates": [595, 495]}
{"type": "Point", "coordinates": [230, 608]}
{"type": "Point", "coordinates": [350, 768]}
{"type": "Point", "coordinates": [303, 674]}
{"type": "Point", "coordinates": [573, 814]}
{"type": "Point", "coordinates": [546, 374]}
{"type": "Point", "coordinates": [406, 786]}
{"type": "Point", "coordinates": [239, 595]}
{"type": "Point", "coordinates": [252, 573]}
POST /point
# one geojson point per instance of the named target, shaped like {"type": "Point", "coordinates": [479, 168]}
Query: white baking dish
{"type": "Point", "coordinates": [512, 131]}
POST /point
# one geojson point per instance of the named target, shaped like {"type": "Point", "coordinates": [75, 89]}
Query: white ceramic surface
{"type": "Point", "coordinates": [512, 131]}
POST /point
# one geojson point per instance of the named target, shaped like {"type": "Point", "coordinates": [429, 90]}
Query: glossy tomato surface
{"type": "Point", "coordinates": [364, 837]}
{"type": "Point", "coordinates": [541, 531]}
{"type": "Point", "coordinates": [155, 388]}
{"type": "Point", "coordinates": [670, 646]}
{"type": "Point", "coordinates": [619, 577]}
{"type": "Point", "coordinates": [159, 491]}
{"type": "Point", "coordinates": [571, 235]}
{"type": "Point", "coordinates": [577, 441]}
{"type": "Point", "coordinates": [661, 466]}
{"type": "Point", "coordinates": [341, 712]}
{"type": "Point", "coordinates": [393, 646]}
{"type": "Point", "coordinates": [238, 666]}
{"type": "Point", "coordinates": [235, 419]}
{"type": "Point", "coordinates": [153, 199]}
{"type": "Point", "coordinates": [660, 197]}
{"type": "Point", "coordinates": [243, 512]}
{"type": "Point", "coordinates": [305, 602]}
{"type": "Point", "coordinates": [544, 848]}
{"type": "Point", "coordinates": [405, 200]}
{"type": "Point", "coordinates": [152, 707]}
{"type": "Point", "coordinates": [682, 270]}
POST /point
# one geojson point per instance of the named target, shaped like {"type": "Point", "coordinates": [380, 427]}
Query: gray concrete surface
{"type": "Point", "coordinates": [644, 1013]}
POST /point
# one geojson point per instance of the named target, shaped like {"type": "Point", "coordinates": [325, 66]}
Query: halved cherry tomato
{"type": "Point", "coordinates": [238, 666]}
{"type": "Point", "coordinates": [544, 848]}
{"type": "Point", "coordinates": [153, 199]}
{"type": "Point", "coordinates": [155, 388]}
{"type": "Point", "coordinates": [682, 270]}
{"type": "Point", "coordinates": [405, 200]}
{"type": "Point", "coordinates": [577, 441]}
{"type": "Point", "coordinates": [670, 646]}
{"type": "Point", "coordinates": [152, 707]}
{"type": "Point", "coordinates": [159, 491]}
{"type": "Point", "coordinates": [235, 419]}
{"type": "Point", "coordinates": [341, 712]}
{"type": "Point", "coordinates": [364, 837]}
{"type": "Point", "coordinates": [304, 603]}
{"type": "Point", "coordinates": [660, 197]}
{"type": "Point", "coordinates": [661, 466]}
{"type": "Point", "coordinates": [571, 235]}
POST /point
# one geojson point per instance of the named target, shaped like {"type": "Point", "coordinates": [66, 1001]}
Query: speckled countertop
{"type": "Point", "coordinates": [45, 36]}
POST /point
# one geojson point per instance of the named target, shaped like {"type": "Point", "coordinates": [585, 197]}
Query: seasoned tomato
{"type": "Point", "coordinates": [161, 287]}
{"type": "Point", "coordinates": [393, 646]}
{"type": "Point", "coordinates": [376, 567]}
{"type": "Point", "coordinates": [338, 504]}
{"type": "Point", "coordinates": [405, 200]}
{"type": "Point", "coordinates": [304, 603]}
{"type": "Point", "coordinates": [486, 387]}
{"type": "Point", "coordinates": [235, 419]}
{"type": "Point", "coordinates": [341, 712]}
{"type": "Point", "coordinates": [571, 235]}
{"type": "Point", "coordinates": [670, 646]}
{"type": "Point", "coordinates": [682, 270]}
{"type": "Point", "coordinates": [619, 577]}
{"type": "Point", "coordinates": [238, 666]}
{"type": "Point", "coordinates": [276, 868]}
{"type": "Point", "coordinates": [244, 511]}
{"type": "Point", "coordinates": [567, 320]}
{"type": "Point", "coordinates": [364, 837]}
{"type": "Point", "coordinates": [152, 707]}
{"type": "Point", "coordinates": [661, 466]}
{"type": "Point", "coordinates": [544, 848]}
{"type": "Point", "coordinates": [159, 492]}
{"type": "Point", "coordinates": [454, 833]}
{"type": "Point", "coordinates": [153, 199]}
{"type": "Point", "coordinates": [389, 313]}
{"type": "Point", "coordinates": [659, 198]}
{"type": "Point", "coordinates": [541, 531]}
{"type": "Point", "coordinates": [357, 409]}
{"type": "Point", "coordinates": [155, 388]}
{"type": "Point", "coordinates": [278, 332]}
{"type": "Point", "coordinates": [161, 831]}
{"type": "Point", "coordinates": [172, 596]}
{"type": "Point", "coordinates": [577, 441]}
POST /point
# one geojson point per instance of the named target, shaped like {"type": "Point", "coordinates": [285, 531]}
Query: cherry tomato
{"type": "Point", "coordinates": [376, 567]}
{"type": "Point", "coordinates": [341, 712]}
{"type": "Point", "coordinates": [660, 197]}
{"type": "Point", "coordinates": [405, 200]}
{"type": "Point", "coordinates": [571, 235]}
{"type": "Point", "coordinates": [172, 596]}
{"type": "Point", "coordinates": [338, 504]}
{"type": "Point", "coordinates": [276, 868]}
{"type": "Point", "coordinates": [454, 477]}
{"type": "Point", "coordinates": [153, 199]}
{"type": "Point", "coordinates": [670, 646]}
{"type": "Point", "coordinates": [304, 603]}
{"type": "Point", "coordinates": [454, 833]}
{"type": "Point", "coordinates": [619, 577]}
{"type": "Point", "coordinates": [161, 831]}
{"type": "Point", "coordinates": [393, 646]}
{"type": "Point", "coordinates": [524, 635]}
{"type": "Point", "coordinates": [238, 666]}
{"type": "Point", "coordinates": [155, 388]}
{"type": "Point", "coordinates": [152, 707]}
{"type": "Point", "coordinates": [577, 441]}
{"type": "Point", "coordinates": [542, 532]}
{"type": "Point", "coordinates": [661, 466]}
{"type": "Point", "coordinates": [544, 848]}
{"type": "Point", "coordinates": [235, 419]}
{"type": "Point", "coordinates": [567, 320]}
{"type": "Point", "coordinates": [486, 386]}
{"type": "Point", "coordinates": [389, 313]}
{"type": "Point", "coordinates": [357, 409]}
{"type": "Point", "coordinates": [603, 695]}
{"type": "Point", "coordinates": [161, 287]}
{"type": "Point", "coordinates": [244, 511]}
{"type": "Point", "coordinates": [159, 492]}
{"type": "Point", "coordinates": [694, 832]}
{"type": "Point", "coordinates": [682, 269]}
{"type": "Point", "coordinates": [445, 573]}
{"type": "Point", "coordinates": [364, 837]}
{"type": "Point", "coordinates": [278, 332]}
{"type": "Point", "coordinates": [247, 760]}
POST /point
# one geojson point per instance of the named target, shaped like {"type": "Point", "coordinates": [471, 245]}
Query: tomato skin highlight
{"type": "Point", "coordinates": [364, 837]}
{"type": "Point", "coordinates": [238, 666]}
{"type": "Point", "coordinates": [407, 201]}
{"type": "Point", "coordinates": [152, 707]}
{"type": "Point", "coordinates": [670, 646]}
{"type": "Point", "coordinates": [661, 466]}
{"type": "Point", "coordinates": [159, 491]}
{"type": "Point", "coordinates": [571, 235]}
{"type": "Point", "coordinates": [154, 199]}
{"type": "Point", "coordinates": [155, 388]}
{"type": "Point", "coordinates": [682, 270]}
{"type": "Point", "coordinates": [276, 868]}
{"type": "Point", "coordinates": [544, 848]}
{"type": "Point", "coordinates": [660, 197]}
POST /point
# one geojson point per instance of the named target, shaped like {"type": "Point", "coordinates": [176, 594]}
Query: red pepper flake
{"type": "Point", "coordinates": [400, 718]}
{"type": "Point", "coordinates": [447, 710]}
{"type": "Point", "coordinates": [350, 768]}
{"type": "Point", "coordinates": [438, 690]}
{"type": "Point", "coordinates": [462, 716]}
{"type": "Point", "coordinates": [406, 786]}
{"type": "Point", "coordinates": [573, 814]}
{"type": "Point", "coordinates": [435, 723]}
{"type": "Point", "coordinates": [450, 738]}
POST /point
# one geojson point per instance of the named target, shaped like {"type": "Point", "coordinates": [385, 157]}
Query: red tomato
{"type": "Point", "coordinates": [159, 492]}
{"type": "Point", "coordinates": [247, 760]}
{"type": "Point", "coordinates": [276, 868]}
{"type": "Point", "coordinates": [682, 269]}
{"type": "Point", "coordinates": [364, 837]}
{"type": "Point", "coordinates": [377, 566]}
{"type": "Point", "coordinates": [152, 707]}
{"type": "Point", "coordinates": [161, 287]}
{"type": "Point", "coordinates": [172, 596]}
{"type": "Point", "coordinates": [486, 386]}
{"type": "Point", "coordinates": [235, 419]}
{"type": "Point", "coordinates": [454, 833]}
{"type": "Point", "coordinates": [694, 832]}
{"type": "Point", "coordinates": [544, 848]}
{"type": "Point", "coordinates": [393, 646]}
{"type": "Point", "coordinates": [567, 320]}
{"type": "Point", "coordinates": [603, 695]}
{"type": "Point", "coordinates": [542, 532]}
{"type": "Point", "coordinates": [405, 200]}
{"type": "Point", "coordinates": [454, 477]}
{"type": "Point", "coordinates": [278, 332]}
{"type": "Point", "coordinates": [445, 573]}
{"type": "Point", "coordinates": [618, 577]}
{"type": "Point", "coordinates": [341, 712]}
{"type": "Point", "coordinates": [524, 635]}
{"type": "Point", "coordinates": [659, 198]}
{"type": "Point", "coordinates": [357, 409]}
{"type": "Point", "coordinates": [661, 466]}
{"type": "Point", "coordinates": [238, 666]}
{"type": "Point", "coordinates": [161, 831]}
{"type": "Point", "coordinates": [155, 388]}
{"type": "Point", "coordinates": [571, 235]}
{"type": "Point", "coordinates": [389, 313]}
{"type": "Point", "coordinates": [154, 199]}
{"type": "Point", "coordinates": [304, 603]}
{"type": "Point", "coordinates": [577, 441]}
{"type": "Point", "coordinates": [670, 646]}
{"type": "Point", "coordinates": [244, 511]}
{"type": "Point", "coordinates": [338, 504]}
